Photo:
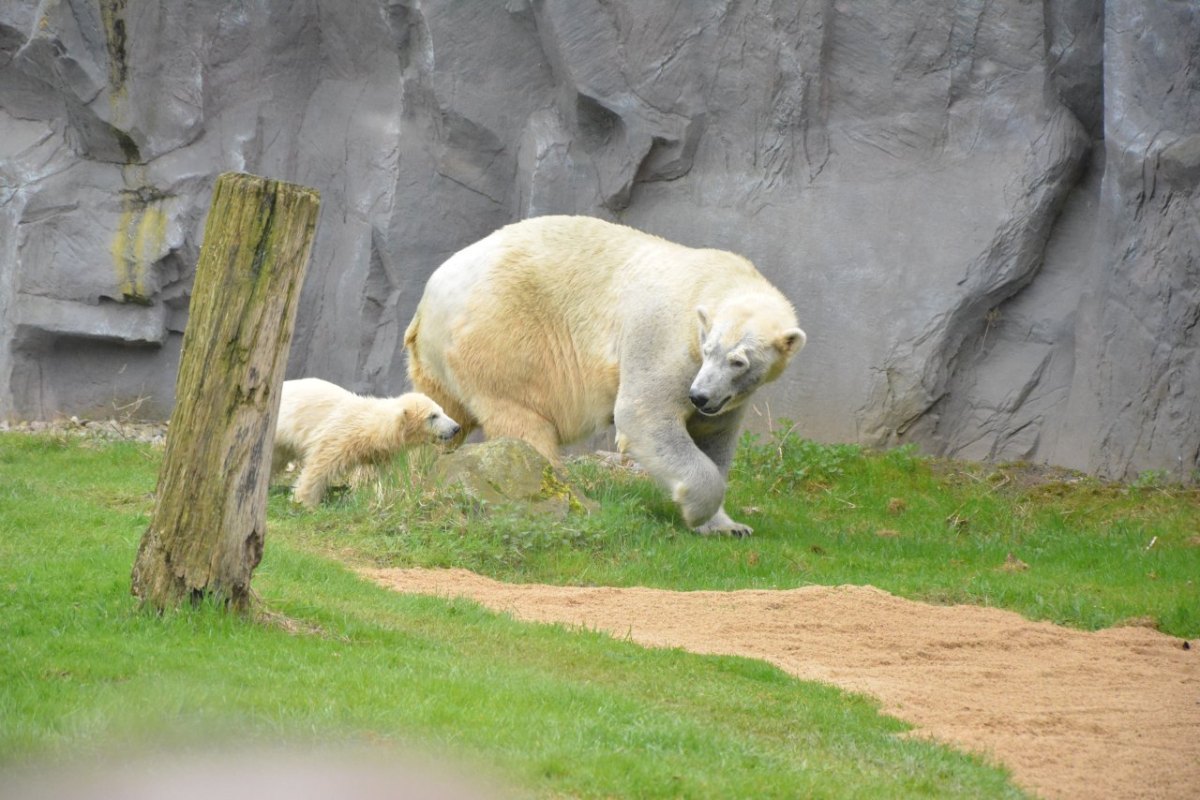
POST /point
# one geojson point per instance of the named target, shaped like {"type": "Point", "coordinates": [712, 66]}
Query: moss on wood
{"type": "Point", "coordinates": [206, 535]}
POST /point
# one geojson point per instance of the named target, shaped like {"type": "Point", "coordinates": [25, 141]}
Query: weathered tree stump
{"type": "Point", "coordinates": [206, 534]}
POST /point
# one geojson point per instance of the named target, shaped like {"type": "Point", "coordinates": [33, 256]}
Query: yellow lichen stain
{"type": "Point", "coordinates": [119, 249]}
{"type": "Point", "coordinates": [138, 243]}
{"type": "Point", "coordinates": [555, 489]}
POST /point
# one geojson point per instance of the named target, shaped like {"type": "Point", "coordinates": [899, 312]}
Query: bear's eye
{"type": "Point", "coordinates": [433, 416]}
{"type": "Point", "coordinates": [738, 362]}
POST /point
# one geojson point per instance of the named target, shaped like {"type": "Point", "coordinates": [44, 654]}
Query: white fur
{"type": "Point", "coordinates": [327, 430]}
{"type": "Point", "coordinates": [552, 328]}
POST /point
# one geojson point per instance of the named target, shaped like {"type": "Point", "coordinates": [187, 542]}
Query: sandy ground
{"type": "Point", "coordinates": [1073, 714]}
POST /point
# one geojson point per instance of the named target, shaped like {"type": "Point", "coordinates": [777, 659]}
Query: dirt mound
{"type": "Point", "coordinates": [1074, 714]}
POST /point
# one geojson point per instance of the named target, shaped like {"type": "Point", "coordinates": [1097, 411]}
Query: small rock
{"type": "Point", "coordinates": [147, 431]}
{"type": "Point", "coordinates": [614, 460]}
{"type": "Point", "coordinates": [1013, 564]}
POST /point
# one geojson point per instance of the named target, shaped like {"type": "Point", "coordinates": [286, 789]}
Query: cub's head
{"type": "Point", "coordinates": [423, 416]}
{"type": "Point", "coordinates": [742, 346]}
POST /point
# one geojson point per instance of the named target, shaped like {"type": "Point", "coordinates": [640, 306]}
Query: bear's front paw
{"type": "Point", "coordinates": [722, 525]}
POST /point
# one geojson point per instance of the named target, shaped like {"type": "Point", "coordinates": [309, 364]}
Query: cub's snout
{"type": "Point", "coordinates": [443, 427]}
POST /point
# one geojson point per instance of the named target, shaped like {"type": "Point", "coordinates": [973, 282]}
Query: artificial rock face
{"type": "Point", "coordinates": [985, 213]}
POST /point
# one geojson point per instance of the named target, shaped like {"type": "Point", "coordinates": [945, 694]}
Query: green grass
{"type": "Point", "coordinates": [1047, 543]}
{"type": "Point", "coordinates": [558, 712]}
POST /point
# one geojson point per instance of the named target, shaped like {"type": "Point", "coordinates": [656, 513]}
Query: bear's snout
{"type": "Point", "coordinates": [450, 433]}
{"type": "Point", "coordinates": [704, 402]}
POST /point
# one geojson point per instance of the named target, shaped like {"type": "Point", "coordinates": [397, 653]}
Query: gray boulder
{"type": "Point", "coordinates": [985, 213]}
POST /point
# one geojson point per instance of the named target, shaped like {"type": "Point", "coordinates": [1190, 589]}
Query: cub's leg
{"type": "Point", "coordinates": [321, 464]}
{"type": "Point", "coordinates": [281, 456]}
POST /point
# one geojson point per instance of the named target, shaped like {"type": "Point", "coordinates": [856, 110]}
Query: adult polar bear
{"type": "Point", "coordinates": [551, 329]}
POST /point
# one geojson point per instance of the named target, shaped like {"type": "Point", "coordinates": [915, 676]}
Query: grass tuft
{"type": "Point", "coordinates": [1049, 543]}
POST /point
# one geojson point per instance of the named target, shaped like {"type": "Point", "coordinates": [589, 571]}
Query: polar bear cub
{"type": "Point", "coordinates": [327, 430]}
{"type": "Point", "coordinates": [553, 328]}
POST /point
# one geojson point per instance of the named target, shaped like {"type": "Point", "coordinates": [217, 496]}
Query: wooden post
{"type": "Point", "coordinates": [206, 534]}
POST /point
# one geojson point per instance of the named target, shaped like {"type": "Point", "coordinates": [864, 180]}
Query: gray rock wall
{"type": "Point", "coordinates": [986, 212]}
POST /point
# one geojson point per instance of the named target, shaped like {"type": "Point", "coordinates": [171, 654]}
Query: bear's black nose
{"type": "Point", "coordinates": [453, 432]}
{"type": "Point", "coordinates": [699, 399]}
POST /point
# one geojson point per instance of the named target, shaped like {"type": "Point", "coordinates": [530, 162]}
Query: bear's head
{"type": "Point", "coordinates": [745, 344]}
{"type": "Point", "coordinates": [421, 414]}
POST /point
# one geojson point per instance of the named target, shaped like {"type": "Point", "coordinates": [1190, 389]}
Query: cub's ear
{"type": "Point", "coordinates": [790, 341]}
{"type": "Point", "coordinates": [705, 324]}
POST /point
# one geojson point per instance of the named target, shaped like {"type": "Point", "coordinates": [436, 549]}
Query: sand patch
{"type": "Point", "coordinates": [1074, 714]}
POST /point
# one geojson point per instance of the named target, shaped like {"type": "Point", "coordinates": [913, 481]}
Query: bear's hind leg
{"type": "Point", "coordinates": [423, 381]}
{"type": "Point", "coordinates": [501, 418]}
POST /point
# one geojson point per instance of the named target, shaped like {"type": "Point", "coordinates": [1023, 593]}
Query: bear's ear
{"type": "Point", "coordinates": [705, 324]}
{"type": "Point", "coordinates": [790, 341]}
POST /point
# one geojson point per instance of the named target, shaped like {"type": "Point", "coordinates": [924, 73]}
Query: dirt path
{"type": "Point", "coordinates": [1111, 714]}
